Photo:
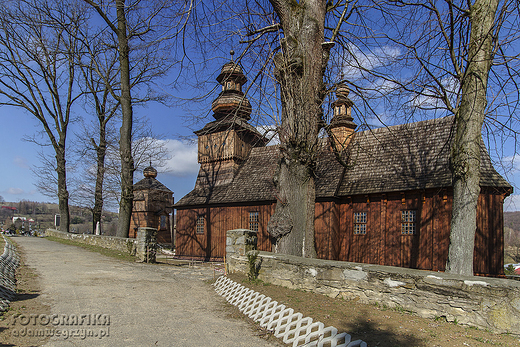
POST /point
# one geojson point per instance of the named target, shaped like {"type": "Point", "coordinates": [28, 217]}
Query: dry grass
{"type": "Point", "coordinates": [378, 325]}
{"type": "Point", "coordinates": [28, 301]}
{"type": "Point", "coordinates": [105, 251]}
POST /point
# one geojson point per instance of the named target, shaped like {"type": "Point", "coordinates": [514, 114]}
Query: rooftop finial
{"type": "Point", "coordinates": [232, 52]}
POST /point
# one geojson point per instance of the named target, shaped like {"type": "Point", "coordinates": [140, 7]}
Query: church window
{"type": "Point", "coordinates": [408, 222]}
{"type": "Point", "coordinates": [201, 221]}
{"type": "Point", "coordinates": [360, 223]}
{"type": "Point", "coordinates": [163, 222]}
{"type": "Point", "coordinates": [253, 221]}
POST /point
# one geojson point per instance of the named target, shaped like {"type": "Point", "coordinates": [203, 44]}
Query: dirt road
{"type": "Point", "coordinates": [101, 301]}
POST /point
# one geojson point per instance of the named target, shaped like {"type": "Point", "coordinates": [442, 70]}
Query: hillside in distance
{"type": "Point", "coordinates": [43, 216]}
{"type": "Point", "coordinates": [512, 220]}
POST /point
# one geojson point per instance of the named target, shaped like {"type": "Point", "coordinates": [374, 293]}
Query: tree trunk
{"type": "Point", "coordinates": [466, 148]}
{"type": "Point", "coordinates": [100, 175]}
{"type": "Point", "coordinates": [125, 142]}
{"type": "Point", "coordinates": [299, 71]}
{"type": "Point", "coordinates": [296, 207]}
{"type": "Point", "coordinates": [63, 194]}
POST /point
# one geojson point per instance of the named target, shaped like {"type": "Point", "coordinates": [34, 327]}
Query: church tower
{"type": "Point", "coordinates": [226, 142]}
{"type": "Point", "coordinates": [342, 125]}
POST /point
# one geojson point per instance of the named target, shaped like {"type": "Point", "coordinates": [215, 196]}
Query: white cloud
{"type": "Point", "coordinates": [431, 96]}
{"type": "Point", "coordinates": [270, 132]}
{"type": "Point", "coordinates": [21, 162]}
{"type": "Point", "coordinates": [183, 161]}
{"type": "Point", "coordinates": [512, 203]}
{"type": "Point", "coordinates": [511, 163]}
{"type": "Point", "coordinates": [360, 60]}
{"type": "Point", "coordinates": [15, 191]}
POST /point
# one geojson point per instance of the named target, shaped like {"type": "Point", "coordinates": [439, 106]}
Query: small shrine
{"type": "Point", "coordinates": [153, 204]}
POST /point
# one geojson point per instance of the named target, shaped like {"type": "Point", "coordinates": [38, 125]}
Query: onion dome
{"type": "Point", "coordinates": [342, 109]}
{"type": "Point", "coordinates": [231, 101]}
{"type": "Point", "coordinates": [150, 172]}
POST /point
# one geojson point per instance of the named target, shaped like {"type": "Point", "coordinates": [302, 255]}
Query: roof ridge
{"type": "Point", "coordinates": [407, 125]}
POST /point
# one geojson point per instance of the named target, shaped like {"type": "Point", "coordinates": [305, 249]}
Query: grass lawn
{"type": "Point", "coordinates": [105, 251]}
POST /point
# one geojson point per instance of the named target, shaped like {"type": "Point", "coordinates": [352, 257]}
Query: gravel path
{"type": "Point", "coordinates": [148, 305]}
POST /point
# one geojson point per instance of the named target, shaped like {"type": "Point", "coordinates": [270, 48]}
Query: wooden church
{"type": "Point", "coordinates": [390, 205]}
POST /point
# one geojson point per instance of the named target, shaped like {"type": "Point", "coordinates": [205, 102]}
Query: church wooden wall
{"type": "Point", "coordinates": [489, 245]}
{"type": "Point", "coordinates": [383, 242]}
{"type": "Point", "coordinates": [428, 249]}
{"type": "Point", "coordinates": [212, 243]}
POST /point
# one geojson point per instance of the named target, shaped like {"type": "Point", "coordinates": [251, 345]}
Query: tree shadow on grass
{"type": "Point", "coordinates": [375, 336]}
{"type": "Point", "coordinates": [25, 296]}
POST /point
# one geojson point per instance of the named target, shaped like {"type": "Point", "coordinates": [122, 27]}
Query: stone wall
{"type": "Point", "coordinates": [110, 242]}
{"type": "Point", "coordinates": [486, 303]}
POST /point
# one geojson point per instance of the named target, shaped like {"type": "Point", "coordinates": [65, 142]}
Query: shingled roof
{"type": "Point", "coordinates": [397, 158]}
{"type": "Point", "coordinates": [150, 183]}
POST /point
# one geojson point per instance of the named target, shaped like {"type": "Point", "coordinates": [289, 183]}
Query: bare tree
{"type": "Point", "coordinates": [90, 182]}
{"type": "Point", "coordinates": [46, 175]}
{"type": "Point", "coordinates": [469, 118]}
{"type": "Point", "coordinates": [99, 72]}
{"type": "Point", "coordinates": [458, 58]}
{"type": "Point", "coordinates": [119, 27]}
{"type": "Point", "coordinates": [37, 73]}
{"type": "Point", "coordinates": [139, 32]}
{"type": "Point", "coordinates": [146, 147]}
{"type": "Point", "coordinates": [299, 65]}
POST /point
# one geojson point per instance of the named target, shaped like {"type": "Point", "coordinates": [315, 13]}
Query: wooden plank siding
{"type": "Point", "coordinates": [383, 243]}
{"type": "Point", "coordinates": [489, 236]}
{"type": "Point", "coordinates": [212, 243]}
{"type": "Point", "coordinates": [325, 230]}
{"type": "Point", "coordinates": [442, 203]}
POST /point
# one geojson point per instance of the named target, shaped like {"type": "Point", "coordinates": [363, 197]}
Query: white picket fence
{"type": "Point", "coordinates": [291, 326]}
{"type": "Point", "coordinates": [9, 261]}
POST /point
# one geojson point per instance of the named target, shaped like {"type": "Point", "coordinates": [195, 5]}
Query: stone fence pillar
{"type": "Point", "coordinates": [238, 243]}
{"type": "Point", "coordinates": [146, 249]}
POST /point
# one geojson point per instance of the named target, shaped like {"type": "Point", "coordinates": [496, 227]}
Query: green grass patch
{"type": "Point", "coordinates": [104, 251]}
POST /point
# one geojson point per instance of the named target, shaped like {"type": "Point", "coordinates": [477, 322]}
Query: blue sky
{"type": "Point", "coordinates": [17, 181]}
